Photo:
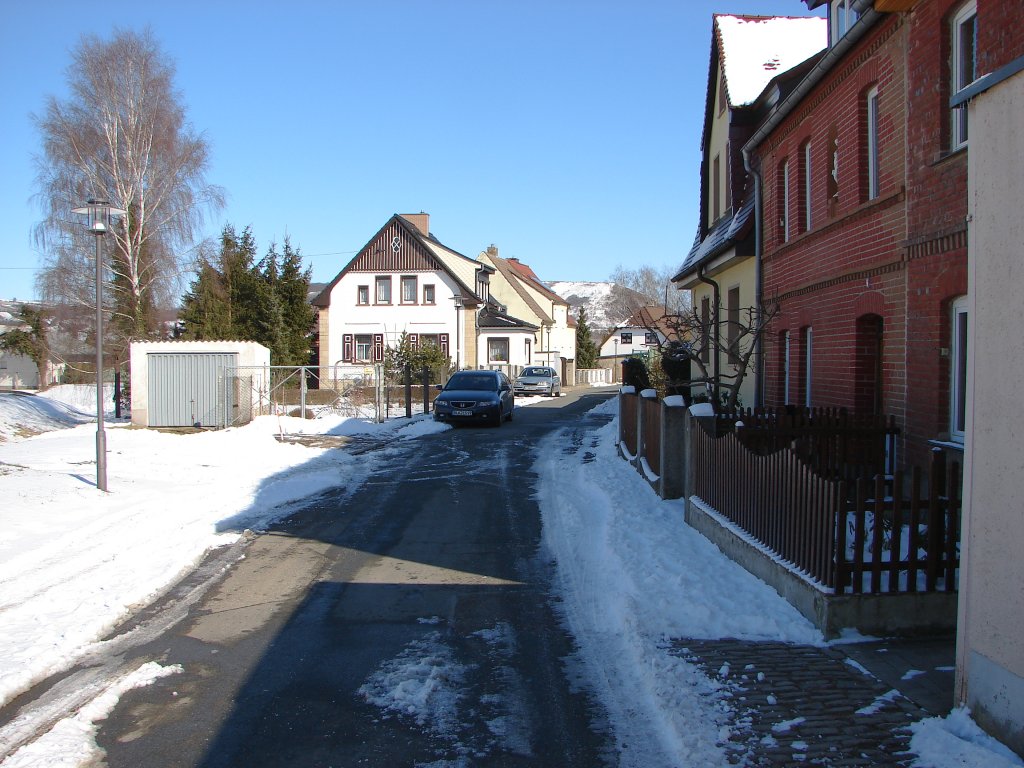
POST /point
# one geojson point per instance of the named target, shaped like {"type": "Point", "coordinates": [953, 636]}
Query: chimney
{"type": "Point", "coordinates": [492, 250]}
{"type": "Point", "coordinates": [419, 220]}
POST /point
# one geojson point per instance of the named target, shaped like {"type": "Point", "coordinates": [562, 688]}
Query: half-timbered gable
{"type": "Point", "coordinates": [402, 281]}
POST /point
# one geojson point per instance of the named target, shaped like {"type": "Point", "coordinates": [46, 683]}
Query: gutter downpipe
{"type": "Point", "coordinates": [823, 65]}
{"type": "Point", "coordinates": [714, 324]}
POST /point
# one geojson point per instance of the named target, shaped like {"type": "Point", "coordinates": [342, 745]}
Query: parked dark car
{"type": "Point", "coordinates": [538, 380]}
{"type": "Point", "coordinates": [475, 396]}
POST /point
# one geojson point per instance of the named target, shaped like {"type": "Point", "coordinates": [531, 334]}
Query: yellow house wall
{"type": "Point", "coordinates": [990, 634]}
{"type": "Point", "coordinates": [744, 275]}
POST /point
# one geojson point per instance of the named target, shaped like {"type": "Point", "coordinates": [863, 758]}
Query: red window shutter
{"type": "Point", "coordinates": [347, 347]}
{"type": "Point", "coordinates": [443, 340]}
{"type": "Point", "coordinates": [378, 347]}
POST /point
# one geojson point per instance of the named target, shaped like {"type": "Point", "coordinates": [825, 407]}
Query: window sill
{"type": "Point", "coordinates": [947, 445]}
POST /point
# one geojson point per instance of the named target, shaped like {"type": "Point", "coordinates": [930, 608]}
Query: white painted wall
{"type": "Point", "coordinates": [250, 354]}
{"type": "Point", "coordinates": [990, 639]}
{"type": "Point", "coordinates": [346, 315]}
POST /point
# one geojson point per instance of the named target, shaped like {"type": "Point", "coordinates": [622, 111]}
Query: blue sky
{"type": "Point", "coordinates": [566, 132]}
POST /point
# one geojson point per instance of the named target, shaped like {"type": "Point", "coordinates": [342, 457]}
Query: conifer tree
{"type": "Point", "coordinates": [297, 314]}
{"type": "Point", "coordinates": [586, 350]}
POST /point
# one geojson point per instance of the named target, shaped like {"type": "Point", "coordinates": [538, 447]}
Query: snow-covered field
{"type": "Point", "coordinates": [75, 562]}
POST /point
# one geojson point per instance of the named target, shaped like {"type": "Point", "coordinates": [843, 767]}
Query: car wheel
{"type": "Point", "coordinates": [510, 412]}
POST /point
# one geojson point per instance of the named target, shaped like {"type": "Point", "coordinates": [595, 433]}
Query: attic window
{"type": "Point", "coordinates": [722, 100]}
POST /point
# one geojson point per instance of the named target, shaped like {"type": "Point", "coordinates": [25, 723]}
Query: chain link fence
{"type": "Point", "coordinates": [308, 392]}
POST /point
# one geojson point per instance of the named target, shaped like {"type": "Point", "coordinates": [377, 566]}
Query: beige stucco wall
{"type": "Point", "coordinates": [717, 145]}
{"type": "Point", "coordinates": [990, 641]}
{"type": "Point", "coordinates": [742, 274]}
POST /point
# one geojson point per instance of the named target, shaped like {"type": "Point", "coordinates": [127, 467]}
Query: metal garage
{"type": "Point", "coordinates": [195, 383]}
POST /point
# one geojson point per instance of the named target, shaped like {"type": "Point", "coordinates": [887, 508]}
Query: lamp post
{"type": "Point", "coordinates": [99, 213]}
{"type": "Point", "coordinates": [459, 301]}
{"type": "Point", "coordinates": [615, 365]}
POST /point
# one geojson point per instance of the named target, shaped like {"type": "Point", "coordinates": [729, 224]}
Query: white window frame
{"type": "Point", "coordinates": [808, 200]}
{"type": "Point", "coordinates": [784, 217]}
{"type": "Point", "coordinates": [808, 364]}
{"type": "Point", "coordinates": [963, 72]}
{"type": "Point", "coordinates": [841, 17]}
{"type": "Point", "coordinates": [366, 345]}
{"type": "Point", "coordinates": [408, 296]}
{"type": "Point", "coordinates": [500, 343]}
{"type": "Point", "coordinates": [382, 296]}
{"type": "Point", "coordinates": [786, 363]}
{"type": "Point", "coordinates": [872, 142]}
{"type": "Point", "coordinates": [958, 370]}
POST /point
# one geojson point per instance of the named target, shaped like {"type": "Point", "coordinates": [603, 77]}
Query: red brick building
{"type": "Point", "coordinates": [863, 174]}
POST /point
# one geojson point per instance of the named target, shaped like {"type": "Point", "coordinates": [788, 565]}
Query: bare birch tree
{"type": "Point", "coordinates": [121, 135]}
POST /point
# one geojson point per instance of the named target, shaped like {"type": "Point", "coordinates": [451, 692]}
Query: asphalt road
{"type": "Point", "coordinates": [428, 578]}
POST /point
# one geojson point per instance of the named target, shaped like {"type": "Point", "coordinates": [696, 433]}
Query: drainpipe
{"type": "Point", "coordinates": [758, 277]}
{"type": "Point", "coordinates": [714, 324]}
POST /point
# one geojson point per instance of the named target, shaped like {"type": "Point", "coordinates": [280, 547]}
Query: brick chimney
{"type": "Point", "coordinates": [419, 220]}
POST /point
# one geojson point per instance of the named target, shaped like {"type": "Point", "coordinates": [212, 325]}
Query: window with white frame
{"type": "Point", "coordinates": [364, 347]}
{"type": "Point", "coordinates": [497, 350]}
{"type": "Point", "coordinates": [383, 289]}
{"type": "Point", "coordinates": [958, 371]}
{"type": "Point", "coordinates": [784, 200]}
{"type": "Point", "coordinates": [871, 140]}
{"type": "Point", "coordinates": [964, 47]}
{"type": "Point", "coordinates": [841, 17]}
{"type": "Point", "coordinates": [408, 289]}
{"type": "Point", "coordinates": [807, 365]}
{"type": "Point", "coordinates": [785, 361]}
{"type": "Point", "coordinates": [805, 182]}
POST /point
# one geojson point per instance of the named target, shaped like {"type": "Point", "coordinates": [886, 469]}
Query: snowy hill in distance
{"type": "Point", "coordinates": [606, 303]}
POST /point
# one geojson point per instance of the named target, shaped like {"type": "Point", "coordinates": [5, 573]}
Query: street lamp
{"type": "Point", "coordinates": [459, 303]}
{"type": "Point", "coordinates": [99, 213]}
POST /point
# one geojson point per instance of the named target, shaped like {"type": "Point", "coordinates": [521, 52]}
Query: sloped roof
{"type": "Point", "coordinates": [493, 316]}
{"type": "Point", "coordinates": [400, 246]}
{"type": "Point", "coordinates": [755, 49]}
{"type": "Point", "coordinates": [726, 232]}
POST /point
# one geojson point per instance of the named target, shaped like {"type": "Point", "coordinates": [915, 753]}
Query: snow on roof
{"type": "Point", "coordinates": [755, 49]}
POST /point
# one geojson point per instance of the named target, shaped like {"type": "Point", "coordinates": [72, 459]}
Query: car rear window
{"type": "Point", "coordinates": [473, 382]}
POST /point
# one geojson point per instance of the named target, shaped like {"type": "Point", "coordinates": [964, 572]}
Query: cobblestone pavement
{"type": "Point", "coordinates": [805, 705]}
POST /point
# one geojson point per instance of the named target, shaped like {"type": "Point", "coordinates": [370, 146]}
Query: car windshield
{"type": "Point", "coordinates": [473, 382]}
{"type": "Point", "coordinates": [537, 372]}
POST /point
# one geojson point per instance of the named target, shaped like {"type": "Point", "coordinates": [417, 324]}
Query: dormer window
{"type": "Point", "coordinates": [841, 17]}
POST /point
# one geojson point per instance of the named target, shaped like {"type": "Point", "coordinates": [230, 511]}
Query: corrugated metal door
{"type": "Point", "coordinates": [184, 388]}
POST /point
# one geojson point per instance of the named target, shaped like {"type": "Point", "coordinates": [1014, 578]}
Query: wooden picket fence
{"type": "Point", "coordinates": [865, 536]}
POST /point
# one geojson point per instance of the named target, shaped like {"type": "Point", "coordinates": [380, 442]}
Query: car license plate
{"type": "Point", "coordinates": [461, 413]}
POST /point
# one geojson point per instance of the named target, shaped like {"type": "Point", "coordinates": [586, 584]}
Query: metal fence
{"type": "Point", "coordinates": [363, 391]}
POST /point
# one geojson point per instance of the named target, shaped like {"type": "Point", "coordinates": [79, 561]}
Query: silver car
{"type": "Point", "coordinates": [538, 380]}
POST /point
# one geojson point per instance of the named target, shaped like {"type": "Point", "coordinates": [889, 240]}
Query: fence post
{"type": "Point", "coordinates": [426, 389]}
{"type": "Point", "coordinates": [674, 451]}
{"type": "Point", "coordinates": [408, 391]}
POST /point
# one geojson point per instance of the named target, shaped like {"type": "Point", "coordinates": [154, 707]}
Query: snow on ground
{"type": "Point", "coordinates": [75, 562]}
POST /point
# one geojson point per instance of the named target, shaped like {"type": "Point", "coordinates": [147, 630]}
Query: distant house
{"type": "Point", "coordinates": [755, 60]}
{"type": "Point", "coordinates": [405, 280]}
{"type": "Point", "coordinates": [20, 371]}
{"type": "Point", "coordinates": [516, 286]}
{"type": "Point", "coordinates": [642, 334]}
